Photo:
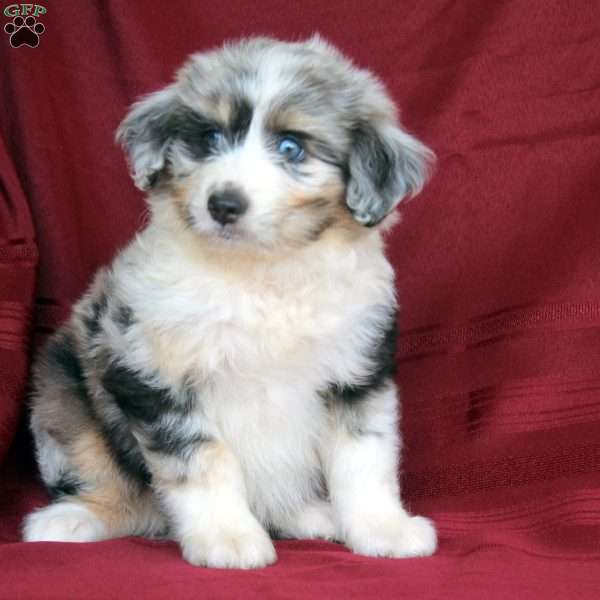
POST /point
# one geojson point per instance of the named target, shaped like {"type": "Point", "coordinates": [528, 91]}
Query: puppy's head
{"type": "Point", "coordinates": [271, 143]}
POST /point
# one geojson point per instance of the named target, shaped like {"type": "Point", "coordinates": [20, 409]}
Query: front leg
{"type": "Point", "coordinates": [205, 500]}
{"type": "Point", "coordinates": [195, 474]}
{"type": "Point", "coordinates": [361, 468]}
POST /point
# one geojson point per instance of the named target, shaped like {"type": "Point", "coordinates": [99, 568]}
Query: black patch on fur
{"type": "Point", "coordinates": [67, 485]}
{"type": "Point", "coordinates": [383, 356]}
{"type": "Point", "coordinates": [98, 308]}
{"type": "Point", "coordinates": [124, 317]}
{"type": "Point", "coordinates": [169, 440]}
{"type": "Point", "coordinates": [154, 178]}
{"type": "Point", "coordinates": [325, 153]}
{"type": "Point", "coordinates": [126, 451]}
{"type": "Point", "coordinates": [123, 446]}
{"type": "Point", "coordinates": [376, 157]}
{"type": "Point", "coordinates": [194, 130]}
{"type": "Point", "coordinates": [186, 399]}
{"type": "Point", "coordinates": [62, 354]}
{"type": "Point", "coordinates": [146, 405]}
{"type": "Point", "coordinates": [241, 117]}
{"type": "Point", "coordinates": [374, 174]}
{"type": "Point", "coordinates": [136, 398]}
{"type": "Point", "coordinates": [162, 125]}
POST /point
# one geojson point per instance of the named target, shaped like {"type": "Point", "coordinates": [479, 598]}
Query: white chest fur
{"type": "Point", "coordinates": [259, 348]}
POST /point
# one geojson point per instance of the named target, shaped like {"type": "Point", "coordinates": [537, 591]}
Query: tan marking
{"type": "Point", "coordinates": [119, 503]}
{"type": "Point", "coordinates": [318, 201]}
{"type": "Point", "coordinates": [325, 212]}
{"type": "Point", "coordinates": [210, 467]}
{"type": "Point", "coordinates": [221, 111]}
{"type": "Point", "coordinates": [164, 349]}
{"type": "Point", "coordinates": [292, 120]}
{"type": "Point", "coordinates": [246, 262]}
{"type": "Point", "coordinates": [180, 195]}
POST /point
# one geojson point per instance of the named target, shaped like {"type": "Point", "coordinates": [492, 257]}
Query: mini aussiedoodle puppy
{"type": "Point", "coordinates": [230, 375]}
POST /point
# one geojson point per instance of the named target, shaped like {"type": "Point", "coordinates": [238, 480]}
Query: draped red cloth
{"type": "Point", "coordinates": [498, 267]}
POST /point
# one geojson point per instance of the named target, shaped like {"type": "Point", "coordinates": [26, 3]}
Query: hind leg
{"type": "Point", "coordinates": [95, 498]}
{"type": "Point", "coordinates": [92, 517]}
{"type": "Point", "coordinates": [64, 521]}
{"type": "Point", "coordinates": [98, 502]}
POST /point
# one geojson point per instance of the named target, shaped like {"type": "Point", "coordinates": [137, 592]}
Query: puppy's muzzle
{"type": "Point", "coordinates": [227, 206]}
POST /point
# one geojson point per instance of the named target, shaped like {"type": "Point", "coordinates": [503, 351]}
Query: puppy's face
{"type": "Point", "coordinates": [270, 144]}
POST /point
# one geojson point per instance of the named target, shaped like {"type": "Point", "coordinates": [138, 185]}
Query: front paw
{"type": "Point", "coordinates": [228, 548]}
{"type": "Point", "coordinates": [392, 536]}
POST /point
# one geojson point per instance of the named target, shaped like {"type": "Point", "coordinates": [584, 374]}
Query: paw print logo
{"type": "Point", "coordinates": [24, 31]}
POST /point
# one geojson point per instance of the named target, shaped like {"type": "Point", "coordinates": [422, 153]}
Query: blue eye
{"type": "Point", "coordinates": [214, 136]}
{"type": "Point", "coordinates": [290, 148]}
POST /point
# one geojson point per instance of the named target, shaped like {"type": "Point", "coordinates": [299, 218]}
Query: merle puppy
{"type": "Point", "coordinates": [230, 375]}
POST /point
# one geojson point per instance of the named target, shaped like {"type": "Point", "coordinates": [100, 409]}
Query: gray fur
{"type": "Point", "coordinates": [353, 121]}
{"type": "Point", "coordinates": [385, 166]}
{"type": "Point", "coordinates": [146, 135]}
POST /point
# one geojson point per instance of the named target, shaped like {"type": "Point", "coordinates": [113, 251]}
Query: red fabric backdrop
{"type": "Point", "coordinates": [498, 267]}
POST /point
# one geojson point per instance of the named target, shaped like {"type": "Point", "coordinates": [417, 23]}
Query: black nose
{"type": "Point", "coordinates": [227, 206]}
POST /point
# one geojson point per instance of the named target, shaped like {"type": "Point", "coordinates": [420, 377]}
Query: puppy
{"type": "Point", "coordinates": [230, 375]}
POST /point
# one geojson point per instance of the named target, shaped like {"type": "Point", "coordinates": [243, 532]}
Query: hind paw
{"type": "Point", "coordinates": [63, 522]}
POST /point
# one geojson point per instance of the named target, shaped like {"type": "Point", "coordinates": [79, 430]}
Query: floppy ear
{"type": "Point", "coordinates": [146, 135]}
{"type": "Point", "coordinates": [386, 165]}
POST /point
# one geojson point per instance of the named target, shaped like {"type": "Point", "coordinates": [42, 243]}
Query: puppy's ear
{"type": "Point", "coordinates": [386, 165]}
{"type": "Point", "coordinates": [146, 135]}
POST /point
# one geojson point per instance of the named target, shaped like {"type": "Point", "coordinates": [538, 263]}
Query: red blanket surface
{"type": "Point", "coordinates": [498, 266]}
